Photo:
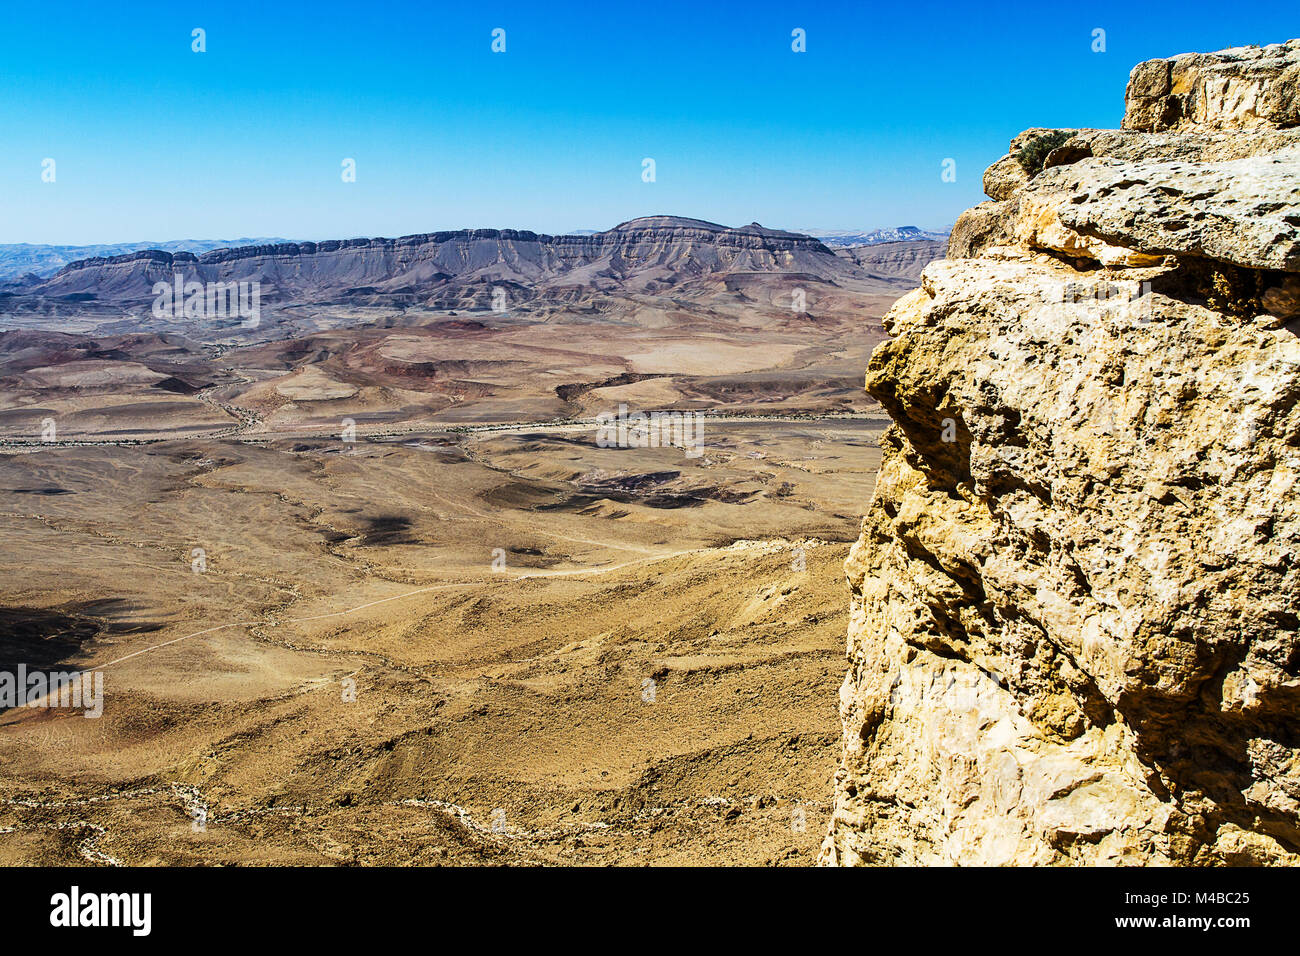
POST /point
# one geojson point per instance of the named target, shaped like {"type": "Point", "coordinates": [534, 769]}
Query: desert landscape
{"type": "Point", "coordinates": [481, 508]}
{"type": "Point", "coordinates": [365, 587]}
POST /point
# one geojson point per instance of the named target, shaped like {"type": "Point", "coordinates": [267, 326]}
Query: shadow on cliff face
{"type": "Point", "coordinates": [921, 407]}
{"type": "Point", "coordinates": [1234, 291]}
{"type": "Point", "coordinates": [1203, 750]}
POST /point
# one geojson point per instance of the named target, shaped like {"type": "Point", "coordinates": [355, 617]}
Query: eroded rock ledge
{"type": "Point", "coordinates": [1075, 627]}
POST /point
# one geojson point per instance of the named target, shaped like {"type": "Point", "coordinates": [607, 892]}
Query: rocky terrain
{"type": "Point", "coordinates": [470, 327]}
{"type": "Point", "coordinates": [1073, 636]}
{"type": "Point", "coordinates": [365, 586]}
{"type": "Point", "coordinates": [502, 645]}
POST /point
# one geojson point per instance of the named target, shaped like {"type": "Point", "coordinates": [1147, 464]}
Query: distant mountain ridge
{"type": "Point", "coordinates": [649, 254]}
{"type": "Point", "coordinates": [841, 238]}
{"type": "Point", "coordinates": [903, 259]}
{"type": "Point", "coordinates": [25, 258]}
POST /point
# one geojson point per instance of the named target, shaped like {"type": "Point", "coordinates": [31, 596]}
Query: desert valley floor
{"type": "Point", "coordinates": [471, 634]}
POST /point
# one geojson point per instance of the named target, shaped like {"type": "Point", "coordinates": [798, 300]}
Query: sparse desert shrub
{"type": "Point", "coordinates": [1033, 154]}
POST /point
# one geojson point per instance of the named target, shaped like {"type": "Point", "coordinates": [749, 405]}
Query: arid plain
{"type": "Point", "coordinates": [365, 588]}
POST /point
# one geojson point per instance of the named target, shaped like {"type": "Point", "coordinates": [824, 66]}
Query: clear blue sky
{"type": "Point", "coordinates": [155, 142]}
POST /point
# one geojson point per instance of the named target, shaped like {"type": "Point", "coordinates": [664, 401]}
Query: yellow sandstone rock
{"type": "Point", "coordinates": [1075, 625]}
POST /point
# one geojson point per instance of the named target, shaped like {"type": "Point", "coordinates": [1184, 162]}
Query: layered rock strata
{"type": "Point", "coordinates": [642, 253]}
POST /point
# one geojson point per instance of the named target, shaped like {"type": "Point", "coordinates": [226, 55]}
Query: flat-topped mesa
{"type": "Point", "coordinates": [646, 228]}
{"type": "Point", "coordinates": [1073, 635]}
{"type": "Point", "coordinates": [654, 250]}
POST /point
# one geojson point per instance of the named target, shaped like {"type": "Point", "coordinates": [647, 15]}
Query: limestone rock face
{"type": "Point", "coordinates": [1242, 211]}
{"type": "Point", "coordinates": [1075, 624]}
{"type": "Point", "coordinates": [1242, 88]}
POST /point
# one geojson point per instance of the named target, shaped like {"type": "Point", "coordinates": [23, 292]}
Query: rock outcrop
{"type": "Point", "coordinates": [1075, 625]}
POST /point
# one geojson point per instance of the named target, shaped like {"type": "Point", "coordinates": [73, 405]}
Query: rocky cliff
{"type": "Point", "coordinates": [1075, 624]}
{"type": "Point", "coordinates": [644, 254]}
{"type": "Point", "coordinates": [896, 259]}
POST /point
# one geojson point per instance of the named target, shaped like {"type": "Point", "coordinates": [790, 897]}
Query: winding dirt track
{"type": "Point", "coordinates": [535, 671]}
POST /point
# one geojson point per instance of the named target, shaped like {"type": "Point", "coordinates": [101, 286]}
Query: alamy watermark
{"type": "Point", "coordinates": [75, 908]}
{"type": "Point", "coordinates": [1123, 298]}
{"type": "Point", "coordinates": [179, 299]}
{"type": "Point", "coordinates": [624, 429]}
{"type": "Point", "coordinates": [67, 690]}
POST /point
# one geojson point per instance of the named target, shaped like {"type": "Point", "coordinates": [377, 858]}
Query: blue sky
{"type": "Point", "coordinates": [153, 141]}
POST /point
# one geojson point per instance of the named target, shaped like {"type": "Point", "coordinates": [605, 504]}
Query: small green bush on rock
{"type": "Point", "coordinates": [1033, 154]}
